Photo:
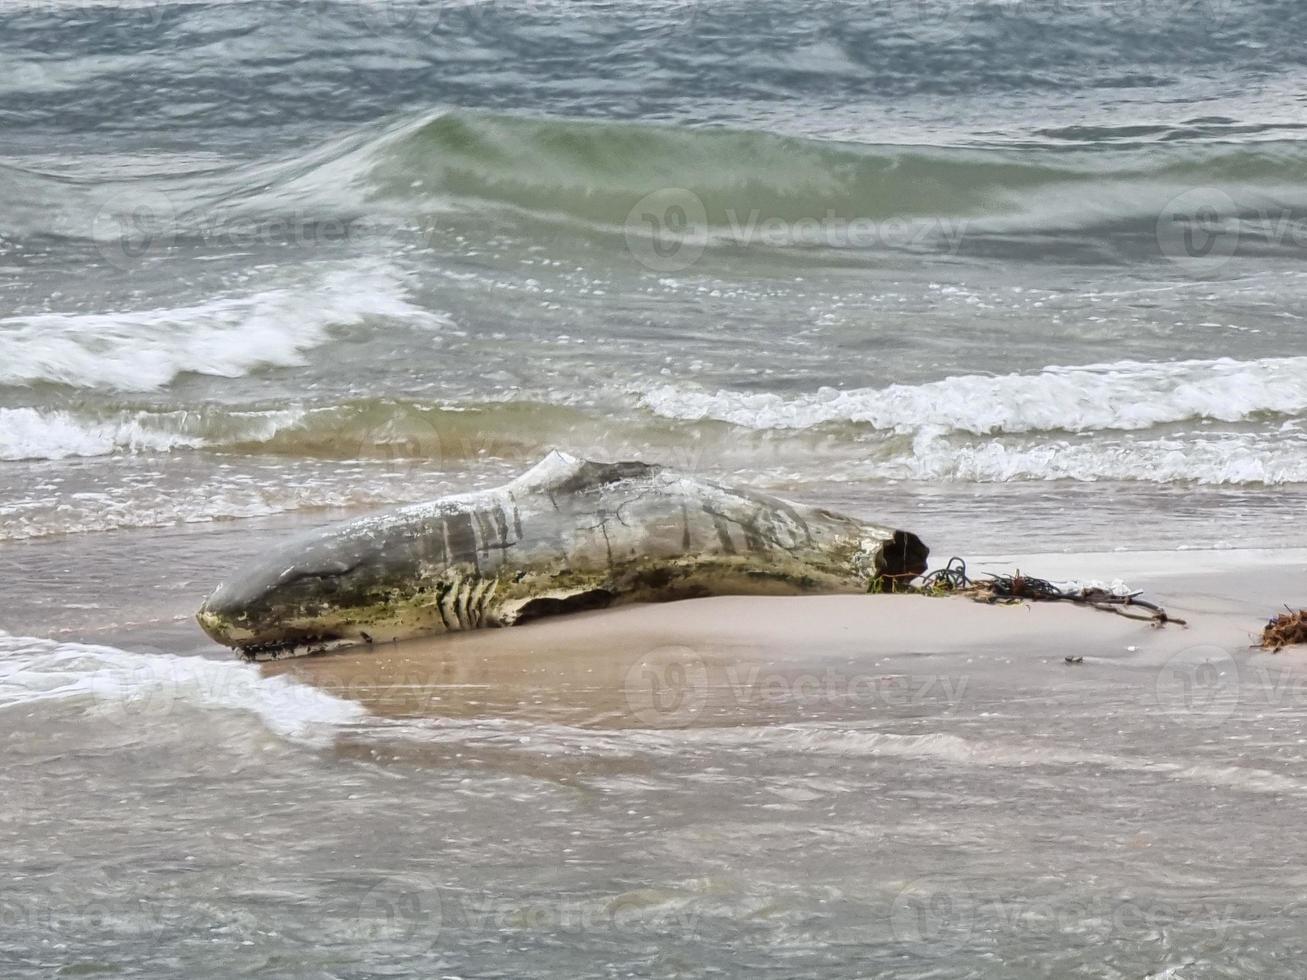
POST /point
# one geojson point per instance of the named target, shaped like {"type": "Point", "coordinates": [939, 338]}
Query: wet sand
{"type": "Point", "coordinates": [751, 660]}
{"type": "Point", "coordinates": [845, 786]}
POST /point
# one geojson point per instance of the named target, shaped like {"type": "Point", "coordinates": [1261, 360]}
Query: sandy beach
{"type": "Point", "coordinates": [752, 660]}
{"type": "Point", "coordinates": [1023, 279]}
{"type": "Point", "coordinates": [913, 783]}
{"type": "Point", "coordinates": [934, 762]}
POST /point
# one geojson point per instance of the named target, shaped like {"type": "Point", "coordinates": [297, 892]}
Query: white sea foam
{"type": "Point", "coordinates": [30, 433]}
{"type": "Point", "coordinates": [1125, 395]}
{"type": "Point", "coordinates": [228, 336]}
{"type": "Point", "coordinates": [949, 749]}
{"type": "Point", "coordinates": [826, 741]}
{"type": "Point", "coordinates": [26, 433]}
{"type": "Point", "coordinates": [88, 500]}
{"type": "Point", "coordinates": [1216, 459]}
{"type": "Point", "coordinates": [136, 688]}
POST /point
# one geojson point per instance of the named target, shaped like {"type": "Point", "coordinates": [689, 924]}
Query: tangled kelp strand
{"type": "Point", "coordinates": [1116, 598]}
{"type": "Point", "coordinates": [1285, 630]}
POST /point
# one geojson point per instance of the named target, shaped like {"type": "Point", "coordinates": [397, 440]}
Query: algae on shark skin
{"type": "Point", "coordinates": [501, 600]}
{"type": "Point", "coordinates": [211, 622]}
{"type": "Point", "coordinates": [582, 535]}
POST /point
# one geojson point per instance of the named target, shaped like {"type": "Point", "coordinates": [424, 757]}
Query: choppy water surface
{"type": "Point", "coordinates": [823, 814]}
{"type": "Point", "coordinates": [1020, 276]}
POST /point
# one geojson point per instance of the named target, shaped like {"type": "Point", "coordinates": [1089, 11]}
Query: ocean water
{"type": "Point", "coordinates": [1020, 276]}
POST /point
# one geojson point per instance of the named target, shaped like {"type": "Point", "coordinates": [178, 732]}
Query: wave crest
{"type": "Point", "coordinates": [1125, 395]}
{"type": "Point", "coordinates": [126, 688]}
{"type": "Point", "coordinates": [593, 175]}
{"type": "Point", "coordinates": [226, 336]}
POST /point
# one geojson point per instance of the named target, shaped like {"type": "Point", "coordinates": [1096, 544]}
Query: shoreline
{"type": "Point", "coordinates": [686, 663]}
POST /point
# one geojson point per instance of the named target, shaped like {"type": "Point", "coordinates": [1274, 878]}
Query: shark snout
{"type": "Point", "coordinates": [224, 616]}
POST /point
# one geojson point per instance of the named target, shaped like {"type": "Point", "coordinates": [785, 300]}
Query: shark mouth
{"type": "Point", "coordinates": [304, 646]}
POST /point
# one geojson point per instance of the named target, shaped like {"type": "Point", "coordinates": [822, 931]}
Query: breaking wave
{"type": "Point", "coordinates": [1209, 458]}
{"type": "Point", "coordinates": [129, 689]}
{"type": "Point", "coordinates": [226, 336]}
{"type": "Point", "coordinates": [599, 171]}
{"type": "Point", "coordinates": [595, 173]}
{"type": "Point", "coordinates": [1219, 422]}
{"type": "Point", "coordinates": [366, 429]}
{"type": "Point", "coordinates": [1126, 395]}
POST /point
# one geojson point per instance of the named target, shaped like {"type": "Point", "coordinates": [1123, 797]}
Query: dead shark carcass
{"type": "Point", "coordinates": [567, 535]}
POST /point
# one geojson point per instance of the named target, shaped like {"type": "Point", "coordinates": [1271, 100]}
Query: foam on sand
{"type": "Point", "coordinates": [133, 688]}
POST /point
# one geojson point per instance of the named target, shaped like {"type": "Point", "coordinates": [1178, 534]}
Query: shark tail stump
{"type": "Point", "coordinates": [566, 536]}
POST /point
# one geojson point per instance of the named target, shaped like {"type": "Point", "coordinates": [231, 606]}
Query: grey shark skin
{"type": "Point", "coordinates": [569, 534]}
